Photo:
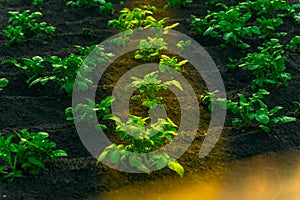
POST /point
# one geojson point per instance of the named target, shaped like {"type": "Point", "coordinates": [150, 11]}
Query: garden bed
{"type": "Point", "coordinates": [41, 108]}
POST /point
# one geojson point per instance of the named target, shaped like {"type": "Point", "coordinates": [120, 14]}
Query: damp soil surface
{"type": "Point", "coordinates": [41, 108]}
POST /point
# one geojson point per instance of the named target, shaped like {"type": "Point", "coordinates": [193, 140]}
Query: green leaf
{"type": "Point", "coordinates": [59, 153]}
{"type": "Point", "coordinates": [102, 156]}
{"type": "Point", "coordinates": [236, 122]}
{"type": "Point", "coordinates": [13, 148]}
{"type": "Point", "coordinates": [262, 118]}
{"type": "Point", "coordinates": [255, 30]}
{"type": "Point", "coordinates": [227, 36]}
{"type": "Point", "coordinates": [35, 161]}
{"type": "Point", "coordinates": [161, 163]}
{"type": "Point", "coordinates": [175, 166]}
{"type": "Point", "coordinates": [285, 119]}
{"type": "Point", "coordinates": [265, 128]}
{"type": "Point", "coordinates": [135, 160]}
{"type": "Point", "coordinates": [175, 83]}
{"type": "Point", "coordinates": [115, 155]}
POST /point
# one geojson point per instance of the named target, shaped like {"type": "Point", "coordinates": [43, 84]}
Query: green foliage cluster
{"type": "Point", "coordinates": [150, 49]}
{"type": "Point", "coordinates": [24, 25]}
{"type": "Point", "coordinates": [137, 18]}
{"type": "Point", "coordinates": [104, 7]}
{"type": "Point", "coordinates": [269, 8]}
{"type": "Point", "coordinates": [268, 65]}
{"type": "Point", "coordinates": [168, 64]}
{"type": "Point", "coordinates": [230, 24]}
{"type": "Point", "coordinates": [253, 108]}
{"type": "Point", "coordinates": [63, 70]}
{"type": "Point", "coordinates": [27, 153]}
{"type": "Point", "coordinates": [249, 110]}
{"type": "Point", "coordinates": [85, 112]}
{"type": "Point", "coordinates": [142, 140]}
{"type": "Point", "coordinates": [149, 87]}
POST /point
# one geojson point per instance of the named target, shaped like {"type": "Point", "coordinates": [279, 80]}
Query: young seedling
{"type": "Point", "coordinates": [166, 63]}
{"type": "Point", "coordinates": [267, 27]}
{"type": "Point", "coordinates": [183, 45]}
{"type": "Point", "coordinates": [24, 25]}
{"type": "Point", "coordinates": [139, 139]}
{"type": "Point", "coordinates": [85, 112]}
{"type": "Point", "coordinates": [139, 18]}
{"type": "Point", "coordinates": [268, 66]}
{"type": "Point", "coordinates": [148, 88]}
{"type": "Point", "coordinates": [33, 68]}
{"type": "Point", "coordinates": [267, 8]}
{"type": "Point", "coordinates": [3, 83]}
{"type": "Point", "coordinates": [131, 19]}
{"type": "Point", "coordinates": [246, 108]}
{"type": "Point", "coordinates": [228, 24]}
{"type": "Point", "coordinates": [208, 98]}
{"type": "Point", "coordinates": [149, 49]}
{"type": "Point", "coordinates": [65, 70]}
{"type": "Point", "coordinates": [26, 153]}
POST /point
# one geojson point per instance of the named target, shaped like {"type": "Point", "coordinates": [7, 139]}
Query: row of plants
{"type": "Point", "coordinates": [63, 71]}
{"type": "Point", "coordinates": [24, 25]}
{"type": "Point", "coordinates": [267, 65]}
{"type": "Point", "coordinates": [23, 153]}
{"type": "Point", "coordinates": [135, 137]}
{"type": "Point", "coordinates": [233, 23]}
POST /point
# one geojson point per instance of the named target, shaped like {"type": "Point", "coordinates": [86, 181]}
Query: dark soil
{"type": "Point", "coordinates": [42, 108]}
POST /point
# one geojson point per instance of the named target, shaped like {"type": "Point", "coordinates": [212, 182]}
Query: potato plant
{"type": "Point", "coordinates": [84, 112]}
{"type": "Point", "coordinates": [208, 98]}
{"type": "Point", "coordinates": [268, 26]}
{"type": "Point", "coordinates": [104, 7]}
{"type": "Point", "coordinates": [139, 139]}
{"type": "Point", "coordinates": [268, 65]}
{"type": "Point", "coordinates": [24, 25]}
{"type": "Point", "coordinates": [228, 24]}
{"type": "Point", "coordinates": [26, 153]}
{"type": "Point", "coordinates": [246, 109]}
{"type": "Point", "coordinates": [268, 8]}
{"type": "Point", "coordinates": [149, 49]}
{"type": "Point", "coordinates": [137, 18]}
{"type": "Point", "coordinates": [63, 70]}
{"type": "Point", "coordinates": [166, 63]}
{"type": "Point", "coordinates": [183, 45]}
{"type": "Point", "coordinates": [33, 68]}
{"type": "Point", "coordinates": [148, 88]}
